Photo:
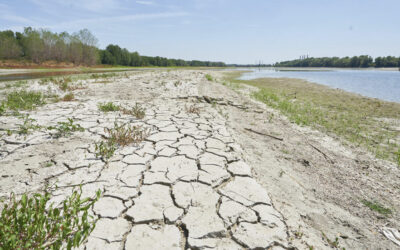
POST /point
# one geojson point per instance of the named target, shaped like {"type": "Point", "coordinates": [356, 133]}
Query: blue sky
{"type": "Point", "coordinates": [233, 31]}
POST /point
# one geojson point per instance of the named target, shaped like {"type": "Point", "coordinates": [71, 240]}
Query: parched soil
{"type": "Point", "coordinates": [218, 170]}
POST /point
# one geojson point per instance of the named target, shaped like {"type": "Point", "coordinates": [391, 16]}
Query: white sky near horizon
{"type": "Point", "coordinates": [233, 31]}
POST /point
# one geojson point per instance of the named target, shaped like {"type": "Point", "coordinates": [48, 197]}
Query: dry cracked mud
{"type": "Point", "coordinates": [185, 186]}
{"type": "Point", "coordinates": [200, 180]}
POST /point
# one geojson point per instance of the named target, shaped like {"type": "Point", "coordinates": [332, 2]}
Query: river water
{"type": "Point", "coordinates": [379, 84]}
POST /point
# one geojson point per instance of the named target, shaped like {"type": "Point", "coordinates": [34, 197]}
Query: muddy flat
{"type": "Point", "coordinates": [215, 169]}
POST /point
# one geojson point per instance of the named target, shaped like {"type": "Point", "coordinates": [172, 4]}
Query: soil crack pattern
{"type": "Point", "coordinates": [185, 186]}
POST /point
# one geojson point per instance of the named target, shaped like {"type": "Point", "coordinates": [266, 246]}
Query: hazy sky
{"type": "Point", "coordinates": [233, 31]}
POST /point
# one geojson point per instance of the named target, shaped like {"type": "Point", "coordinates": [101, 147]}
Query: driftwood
{"type": "Point", "coordinates": [259, 133]}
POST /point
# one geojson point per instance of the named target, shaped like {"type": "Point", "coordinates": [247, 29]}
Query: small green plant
{"type": "Point", "coordinates": [108, 107]}
{"type": "Point", "coordinates": [26, 223]}
{"type": "Point", "coordinates": [24, 100]}
{"type": "Point", "coordinates": [3, 108]}
{"type": "Point", "coordinates": [375, 206]}
{"type": "Point", "coordinates": [63, 83]}
{"type": "Point", "coordinates": [105, 149]}
{"type": "Point", "coordinates": [209, 77]}
{"type": "Point", "coordinates": [138, 111]}
{"type": "Point", "coordinates": [66, 128]}
{"type": "Point", "coordinates": [28, 126]}
{"type": "Point", "coordinates": [397, 153]}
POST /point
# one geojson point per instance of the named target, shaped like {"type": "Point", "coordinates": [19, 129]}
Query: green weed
{"type": "Point", "coordinates": [209, 77]}
{"type": "Point", "coordinates": [28, 126]}
{"type": "Point", "coordinates": [26, 223]}
{"type": "Point", "coordinates": [66, 128]}
{"type": "Point", "coordinates": [105, 149]}
{"type": "Point", "coordinates": [24, 100]}
{"type": "Point", "coordinates": [375, 206]}
{"type": "Point", "coordinates": [108, 107]}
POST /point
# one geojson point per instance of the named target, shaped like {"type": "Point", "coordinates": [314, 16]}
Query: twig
{"type": "Point", "coordinates": [325, 155]}
{"type": "Point", "coordinates": [259, 133]}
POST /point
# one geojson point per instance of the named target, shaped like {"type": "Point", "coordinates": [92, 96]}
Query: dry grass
{"type": "Point", "coordinates": [193, 109]}
{"type": "Point", "coordinates": [137, 111]}
{"type": "Point", "coordinates": [125, 134]}
{"type": "Point", "coordinates": [68, 97]}
{"type": "Point", "coordinates": [366, 122]}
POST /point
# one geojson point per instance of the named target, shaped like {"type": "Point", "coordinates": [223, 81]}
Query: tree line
{"type": "Point", "coordinates": [363, 61]}
{"type": "Point", "coordinates": [79, 48]}
{"type": "Point", "coordinates": [40, 45]}
{"type": "Point", "coordinates": [114, 55]}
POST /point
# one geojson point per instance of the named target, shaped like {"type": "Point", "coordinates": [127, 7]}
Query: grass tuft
{"type": "Point", "coordinates": [108, 107]}
{"type": "Point", "coordinates": [209, 77]}
{"type": "Point", "coordinates": [138, 111]}
{"type": "Point", "coordinates": [24, 100]}
{"type": "Point", "coordinates": [375, 206]}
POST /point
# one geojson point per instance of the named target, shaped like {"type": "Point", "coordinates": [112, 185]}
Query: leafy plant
{"type": "Point", "coordinates": [66, 128]}
{"type": "Point", "coordinates": [108, 107]}
{"type": "Point", "coordinates": [138, 111]}
{"type": "Point", "coordinates": [105, 150]}
{"type": "Point", "coordinates": [209, 77]}
{"type": "Point", "coordinates": [27, 224]}
{"type": "Point", "coordinates": [375, 206]}
{"type": "Point", "coordinates": [28, 126]}
{"type": "Point", "coordinates": [24, 100]}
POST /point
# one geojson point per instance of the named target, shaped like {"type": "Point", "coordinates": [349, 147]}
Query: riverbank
{"type": "Point", "coordinates": [204, 174]}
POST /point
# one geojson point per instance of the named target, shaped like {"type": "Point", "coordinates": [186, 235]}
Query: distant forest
{"type": "Point", "coordinates": [363, 61]}
{"type": "Point", "coordinates": [80, 48]}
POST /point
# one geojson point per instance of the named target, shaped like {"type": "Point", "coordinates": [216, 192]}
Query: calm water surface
{"type": "Point", "coordinates": [384, 85]}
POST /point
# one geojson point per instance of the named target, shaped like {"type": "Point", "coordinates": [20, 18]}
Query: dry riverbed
{"type": "Point", "coordinates": [213, 168]}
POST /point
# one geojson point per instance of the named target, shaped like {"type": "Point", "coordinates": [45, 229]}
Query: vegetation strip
{"type": "Point", "coordinates": [361, 121]}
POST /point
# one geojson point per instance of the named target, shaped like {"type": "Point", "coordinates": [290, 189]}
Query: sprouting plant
{"type": "Point", "coordinates": [105, 150]}
{"type": "Point", "coordinates": [398, 157]}
{"type": "Point", "coordinates": [66, 128]}
{"type": "Point", "coordinates": [209, 77]}
{"type": "Point", "coordinates": [27, 126]}
{"type": "Point", "coordinates": [31, 223]}
{"type": "Point", "coordinates": [138, 111]}
{"type": "Point", "coordinates": [177, 83]}
{"type": "Point", "coordinates": [108, 107]}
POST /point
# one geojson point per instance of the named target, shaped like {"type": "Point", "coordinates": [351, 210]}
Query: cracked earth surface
{"type": "Point", "coordinates": [186, 186]}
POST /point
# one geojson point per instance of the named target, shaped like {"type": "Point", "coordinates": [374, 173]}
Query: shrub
{"type": "Point", "coordinates": [24, 100]}
{"type": "Point", "coordinates": [108, 107]}
{"type": "Point", "coordinates": [27, 224]}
